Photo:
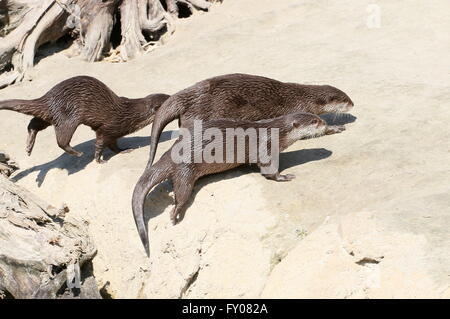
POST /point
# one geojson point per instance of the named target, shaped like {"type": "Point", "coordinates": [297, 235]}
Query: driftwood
{"type": "Point", "coordinates": [7, 165]}
{"type": "Point", "coordinates": [25, 25]}
{"type": "Point", "coordinates": [41, 249]}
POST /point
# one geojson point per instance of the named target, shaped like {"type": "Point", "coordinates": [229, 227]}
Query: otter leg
{"type": "Point", "coordinates": [334, 129]}
{"type": "Point", "coordinates": [277, 176]}
{"type": "Point", "coordinates": [64, 135]}
{"type": "Point", "coordinates": [182, 188]}
{"type": "Point", "coordinates": [36, 124]}
{"type": "Point", "coordinates": [101, 143]}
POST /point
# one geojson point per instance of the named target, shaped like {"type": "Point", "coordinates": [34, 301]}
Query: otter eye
{"type": "Point", "coordinates": [296, 124]}
{"type": "Point", "coordinates": [315, 121]}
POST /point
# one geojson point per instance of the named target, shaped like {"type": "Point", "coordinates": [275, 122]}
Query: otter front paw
{"type": "Point", "coordinates": [280, 178]}
{"type": "Point", "coordinates": [285, 178]}
{"type": "Point", "coordinates": [175, 217]}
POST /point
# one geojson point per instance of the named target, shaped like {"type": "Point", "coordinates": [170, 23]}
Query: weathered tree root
{"type": "Point", "coordinates": [137, 18]}
{"type": "Point", "coordinates": [90, 22]}
{"type": "Point", "coordinates": [7, 165]}
{"type": "Point", "coordinates": [193, 5]}
{"type": "Point", "coordinates": [40, 24]}
{"type": "Point", "coordinates": [40, 248]}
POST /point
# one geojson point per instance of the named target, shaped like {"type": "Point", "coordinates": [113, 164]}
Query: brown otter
{"type": "Point", "coordinates": [86, 100]}
{"type": "Point", "coordinates": [246, 97]}
{"type": "Point", "coordinates": [183, 174]}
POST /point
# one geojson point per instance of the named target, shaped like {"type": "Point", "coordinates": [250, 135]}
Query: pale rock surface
{"type": "Point", "coordinates": [356, 256]}
{"type": "Point", "coordinates": [392, 162]}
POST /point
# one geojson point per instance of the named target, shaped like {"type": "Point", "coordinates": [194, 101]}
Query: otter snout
{"type": "Point", "coordinates": [333, 100]}
{"type": "Point", "coordinates": [321, 127]}
{"type": "Point", "coordinates": [342, 107]}
{"type": "Point", "coordinates": [350, 105]}
{"type": "Point", "coordinates": [321, 123]}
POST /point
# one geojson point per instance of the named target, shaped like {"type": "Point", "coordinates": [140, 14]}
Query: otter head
{"type": "Point", "coordinates": [332, 100]}
{"type": "Point", "coordinates": [305, 125]}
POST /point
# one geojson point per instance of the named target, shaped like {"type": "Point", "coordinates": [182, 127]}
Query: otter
{"type": "Point", "coordinates": [246, 97]}
{"type": "Point", "coordinates": [86, 100]}
{"type": "Point", "coordinates": [184, 174]}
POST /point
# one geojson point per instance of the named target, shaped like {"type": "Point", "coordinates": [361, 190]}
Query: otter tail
{"type": "Point", "coordinates": [168, 111]}
{"type": "Point", "coordinates": [28, 107]}
{"type": "Point", "coordinates": [152, 176]}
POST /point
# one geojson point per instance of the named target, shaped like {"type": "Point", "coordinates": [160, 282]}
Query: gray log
{"type": "Point", "coordinates": [41, 247]}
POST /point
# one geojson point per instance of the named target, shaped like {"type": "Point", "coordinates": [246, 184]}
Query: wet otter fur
{"type": "Point", "coordinates": [246, 97]}
{"type": "Point", "coordinates": [291, 127]}
{"type": "Point", "coordinates": [86, 100]}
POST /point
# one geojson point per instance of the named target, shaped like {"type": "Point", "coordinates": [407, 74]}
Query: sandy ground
{"type": "Point", "coordinates": [369, 212]}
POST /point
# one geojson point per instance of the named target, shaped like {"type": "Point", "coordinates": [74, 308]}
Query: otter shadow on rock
{"type": "Point", "coordinates": [338, 119]}
{"type": "Point", "coordinates": [159, 199]}
{"type": "Point", "coordinates": [73, 164]}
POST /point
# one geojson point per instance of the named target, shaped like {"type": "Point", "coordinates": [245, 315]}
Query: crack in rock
{"type": "Point", "coordinates": [189, 282]}
{"type": "Point", "coordinates": [368, 260]}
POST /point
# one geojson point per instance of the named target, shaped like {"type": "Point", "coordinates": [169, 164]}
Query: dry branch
{"type": "Point", "coordinates": [27, 24]}
{"type": "Point", "coordinates": [40, 24]}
